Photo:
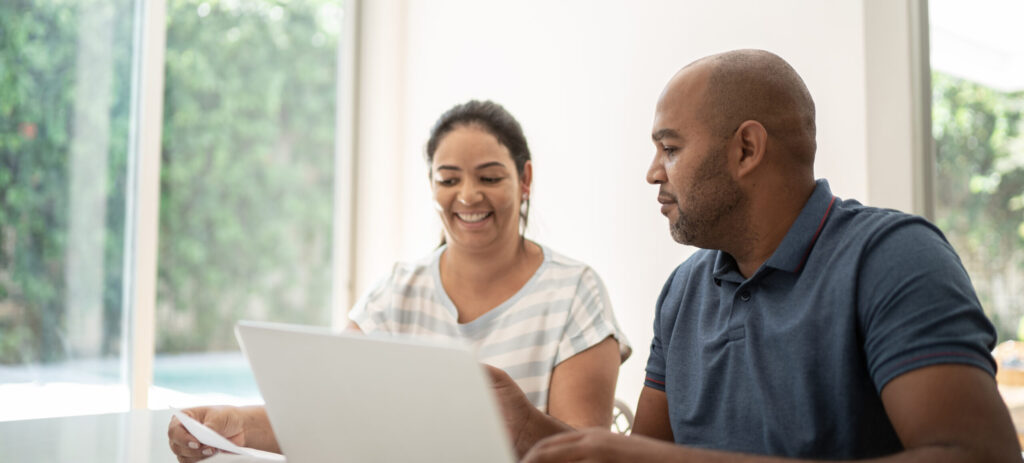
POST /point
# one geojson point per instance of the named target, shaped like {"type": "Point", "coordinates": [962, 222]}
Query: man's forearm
{"type": "Point", "coordinates": [931, 454]}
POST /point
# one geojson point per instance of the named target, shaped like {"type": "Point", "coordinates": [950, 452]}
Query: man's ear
{"type": "Point", "coordinates": [751, 139]}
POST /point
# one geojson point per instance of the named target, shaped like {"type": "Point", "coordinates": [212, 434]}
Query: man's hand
{"type": "Point", "coordinates": [525, 424]}
{"type": "Point", "coordinates": [598, 445]}
{"type": "Point", "coordinates": [514, 404]}
{"type": "Point", "coordinates": [225, 420]}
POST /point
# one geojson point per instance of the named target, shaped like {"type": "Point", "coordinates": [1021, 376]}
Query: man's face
{"type": "Point", "coordinates": [696, 190]}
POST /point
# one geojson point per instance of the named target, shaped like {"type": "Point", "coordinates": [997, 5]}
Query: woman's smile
{"type": "Point", "coordinates": [473, 218]}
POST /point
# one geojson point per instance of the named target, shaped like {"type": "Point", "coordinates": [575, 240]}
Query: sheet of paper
{"type": "Point", "coordinates": [231, 458]}
{"type": "Point", "coordinates": [210, 437]}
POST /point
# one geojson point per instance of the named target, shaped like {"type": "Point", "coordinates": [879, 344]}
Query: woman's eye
{"type": "Point", "coordinates": [490, 179]}
{"type": "Point", "coordinates": [447, 181]}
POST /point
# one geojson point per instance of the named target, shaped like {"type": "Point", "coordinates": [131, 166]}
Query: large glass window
{"type": "Point", "coordinates": [65, 99]}
{"type": "Point", "coordinates": [245, 205]}
{"type": "Point", "coordinates": [246, 185]}
{"type": "Point", "coordinates": [977, 60]}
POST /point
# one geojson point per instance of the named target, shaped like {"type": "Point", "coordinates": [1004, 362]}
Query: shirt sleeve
{"type": "Point", "coordinates": [590, 320]}
{"type": "Point", "coordinates": [369, 312]}
{"type": "Point", "coordinates": [656, 361]}
{"type": "Point", "coordinates": [917, 306]}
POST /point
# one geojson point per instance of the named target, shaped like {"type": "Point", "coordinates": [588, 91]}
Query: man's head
{"type": "Point", "coordinates": [727, 128]}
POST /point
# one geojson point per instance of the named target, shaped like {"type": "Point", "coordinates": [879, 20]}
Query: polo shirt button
{"type": "Point", "coordinates": [744, 295]}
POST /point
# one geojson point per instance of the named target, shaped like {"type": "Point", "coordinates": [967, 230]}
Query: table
{"type": "Point", "coordinates": [138, 436]}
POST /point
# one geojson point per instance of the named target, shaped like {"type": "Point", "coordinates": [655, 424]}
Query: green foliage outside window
{"type": "Point", "coordinates": [246, 176]}
{"type": "Point", "coordinates": [980, 190]}
{"type": "Point", "coordinates": [247, 173]}
{"type": "Point", "coordinates": [37, 105]}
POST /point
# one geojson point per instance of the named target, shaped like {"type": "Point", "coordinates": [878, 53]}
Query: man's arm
{"type": "Point", "coordinates": [652, 415]}
{"type": "Point", "coordinates": [950, 413]}
{"type": "Point", "coordinates": [942, 413]}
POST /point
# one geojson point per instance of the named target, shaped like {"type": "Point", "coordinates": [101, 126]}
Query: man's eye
{"type": "Point", "coordinates": [669, 150]}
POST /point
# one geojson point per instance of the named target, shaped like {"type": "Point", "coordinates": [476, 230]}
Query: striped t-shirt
{"type": "Point", "coordinates": [562, 310]}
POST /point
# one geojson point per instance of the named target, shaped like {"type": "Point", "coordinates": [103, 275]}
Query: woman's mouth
{"type": "Point", "coordinates": [475, 217]}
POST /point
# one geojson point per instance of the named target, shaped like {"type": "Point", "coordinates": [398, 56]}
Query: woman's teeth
{"type": "Point", "coordinates": [472, 218]}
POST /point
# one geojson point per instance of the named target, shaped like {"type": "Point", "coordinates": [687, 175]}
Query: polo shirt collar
{"type": "Point", "coordinates": [796, 245]}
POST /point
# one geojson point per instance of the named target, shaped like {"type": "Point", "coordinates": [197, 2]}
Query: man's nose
{"type": "Point", "coordinates": [656, 172]}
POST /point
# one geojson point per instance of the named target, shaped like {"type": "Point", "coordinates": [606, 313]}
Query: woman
{"type": "Point", "coordinates": [539, 316]}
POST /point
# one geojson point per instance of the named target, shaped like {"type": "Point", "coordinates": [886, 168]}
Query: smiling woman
{"type": "Point", "coordinates": [488, 130]}
{"type": "Point", "coordinates": [545, 319]}
{"type": "Point", "coordinates": [478, 191]}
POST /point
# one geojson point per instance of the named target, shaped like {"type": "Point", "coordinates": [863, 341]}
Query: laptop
{"type": "Point", "coordinates": [362, 398]}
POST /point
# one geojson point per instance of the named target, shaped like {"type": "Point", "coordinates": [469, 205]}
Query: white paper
{"type": "Point", "coordinates": [210, 437]}
{"type": "Point", "coordinates": [231, 458]}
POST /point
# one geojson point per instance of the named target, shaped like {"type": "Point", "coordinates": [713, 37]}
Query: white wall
{"type": "Point", "coordinates": [582, 77]}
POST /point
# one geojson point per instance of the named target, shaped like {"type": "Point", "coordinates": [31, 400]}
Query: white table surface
{"type": "Point", "coordinates": [138, 436]}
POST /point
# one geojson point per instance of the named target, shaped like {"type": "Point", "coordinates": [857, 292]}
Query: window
{"type": "Point", "coordinates": [247, 181]}
{"type": "Point", "coordinates": [65, 98]}
{"type": "Point", "coordinates": [977, 103]}
{"type": "Point", "coordinates": [246, 185]}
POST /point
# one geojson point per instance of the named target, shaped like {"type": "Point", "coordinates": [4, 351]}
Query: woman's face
{"type": "Point", "coordinates": [477, 191]}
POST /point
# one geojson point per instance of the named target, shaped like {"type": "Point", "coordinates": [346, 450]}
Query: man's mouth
{"type": "Point", "coordinates": [667, 202]}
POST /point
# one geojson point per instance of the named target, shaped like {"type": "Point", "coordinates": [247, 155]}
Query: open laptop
{"type": "Point", "coordinates": [353, 397]}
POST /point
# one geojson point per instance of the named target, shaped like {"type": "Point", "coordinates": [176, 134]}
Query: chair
{"type": "Point", "coordinates": [622, 417]}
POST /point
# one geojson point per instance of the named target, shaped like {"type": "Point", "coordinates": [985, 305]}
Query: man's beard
{"type": "Point", "coordinates": [682, 230]}
{"type": "Point", "coordinates": [711, 201]}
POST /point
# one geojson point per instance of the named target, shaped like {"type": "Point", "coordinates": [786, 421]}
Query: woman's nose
{"type": "Point", "coordinates": [469, 194]}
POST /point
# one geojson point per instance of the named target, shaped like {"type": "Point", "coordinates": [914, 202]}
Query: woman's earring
{"type": "Point", "coordinates": [525, 197]}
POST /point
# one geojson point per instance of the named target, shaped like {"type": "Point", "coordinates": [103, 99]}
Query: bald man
{"type": "Point", "coordinates": [807, 326]}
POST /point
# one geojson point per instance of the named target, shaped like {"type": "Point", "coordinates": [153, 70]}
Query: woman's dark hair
{"type": "Point", "coordinates": [497, 121]}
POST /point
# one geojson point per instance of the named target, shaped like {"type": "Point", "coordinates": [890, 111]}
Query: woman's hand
{"type": "Point", "coordinates": [243, 426]}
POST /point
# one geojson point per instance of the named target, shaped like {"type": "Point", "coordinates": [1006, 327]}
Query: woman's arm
{"type": "Point", "coordinates": [582, 388]}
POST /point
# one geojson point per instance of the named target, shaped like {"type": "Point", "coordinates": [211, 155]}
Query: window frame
{"type": "Point", "coordinates": [900, 152]}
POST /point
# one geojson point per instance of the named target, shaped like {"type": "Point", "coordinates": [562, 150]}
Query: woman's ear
{"type": "Point", "coordinates": [525, 180]}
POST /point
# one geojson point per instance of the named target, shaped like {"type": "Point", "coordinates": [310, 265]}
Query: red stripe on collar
{"type": "Point", "coordinates": [816, 233]}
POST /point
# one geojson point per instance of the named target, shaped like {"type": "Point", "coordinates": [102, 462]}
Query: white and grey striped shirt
{"type": "Point", "coordinates": [562, 310]}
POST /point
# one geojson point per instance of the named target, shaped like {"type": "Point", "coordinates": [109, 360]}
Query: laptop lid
{"type": "Point", "coordinates": [353, 397]}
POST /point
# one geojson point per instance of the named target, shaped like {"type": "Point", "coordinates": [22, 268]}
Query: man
{"type": "Point", "coordinates": [808, 326]}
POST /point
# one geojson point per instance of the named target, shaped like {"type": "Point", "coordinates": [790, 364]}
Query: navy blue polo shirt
{"type": "Point", "coordinates": [792, 361]}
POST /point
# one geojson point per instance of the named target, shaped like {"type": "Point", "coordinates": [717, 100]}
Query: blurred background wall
{"type": "Point", "coordinates": [583, 78]}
